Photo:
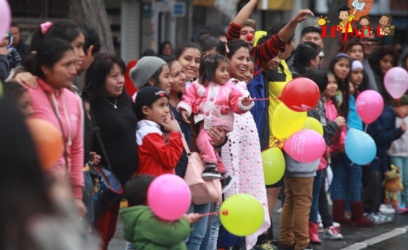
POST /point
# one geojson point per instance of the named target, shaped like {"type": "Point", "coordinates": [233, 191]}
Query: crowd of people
{"type": "Point", "coordinates": [219, 93]}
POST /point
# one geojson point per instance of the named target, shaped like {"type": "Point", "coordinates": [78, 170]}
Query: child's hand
{"type": "Point", "coordinates": [246, 101]}
{"type": "Point", "coordinates": [192, 218]}
{"type": "Point", "coordinates": [184, 114]}
{"type": "Point", "coordinates": [170, 125]}
{"type": "Point", "coordinates": [340, 121]}
{"type": "Point", "coordinates": [3, 51]}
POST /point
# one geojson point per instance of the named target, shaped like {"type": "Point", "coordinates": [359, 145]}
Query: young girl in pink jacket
{"type": "Point", "coordinates": [213, 100]}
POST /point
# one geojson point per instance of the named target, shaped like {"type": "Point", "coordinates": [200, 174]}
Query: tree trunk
{"type": "Point", "coordinates": [331, 45]}
{"type": "Point", "coordinates": [93, 14]}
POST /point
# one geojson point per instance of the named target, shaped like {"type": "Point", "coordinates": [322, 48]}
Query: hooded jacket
{"type": "Point", "coordinates": [146, 231]}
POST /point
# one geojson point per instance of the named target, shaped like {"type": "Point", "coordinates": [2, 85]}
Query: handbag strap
{"type": "Point", "coordinates": [183, 139]}
{"type": "Point", "coordinates": [97, 132]}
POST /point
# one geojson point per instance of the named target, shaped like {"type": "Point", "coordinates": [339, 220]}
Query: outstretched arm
{"type": "Point", "coordinates": [286, 32]}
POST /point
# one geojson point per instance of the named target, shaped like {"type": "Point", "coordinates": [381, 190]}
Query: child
{"type": "Point", "coordinates": [156, 156]}
{"type": "Point", "coordinates": [384, 132]}
{"type": "Point", "coordinates": [13, 56]}
{"type": "Point", "coordinates": [213, 100]}
{"type": "Point", "coordinates": [20, 96]}
{"type": "Point", "coordinates": [143, 228]}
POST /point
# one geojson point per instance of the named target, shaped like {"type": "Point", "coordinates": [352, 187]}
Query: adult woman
{"type": "Point", "coordinates": [112, 111]}
{"type": "Point", "coordinates": [56, 68]}
{"type": "Point", "coordinates": [381, 60]}
{"type": "Point", "coordinates": [165, 49]}
{"type": "Point", "coordinates": [241, 154]}
{"type": "Point", "coordinates": [306, 57]}
{"type": "Point", "coordinates": [189, 55]}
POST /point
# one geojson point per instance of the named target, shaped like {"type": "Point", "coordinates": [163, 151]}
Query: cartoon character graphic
{"type": "Point", "coordinates": [366, 28]}
{"type": "Point", "coordinates": [345, 24]}
{"type": "Point", "coordinates": [385, 25]}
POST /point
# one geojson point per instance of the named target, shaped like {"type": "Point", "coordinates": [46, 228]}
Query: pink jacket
{"type": "Point", "coordinates": [340, 137]}
{"type": "Point", "coordinates": [214, 104]}
{"type": "Point", "coordinates": [70, 110]}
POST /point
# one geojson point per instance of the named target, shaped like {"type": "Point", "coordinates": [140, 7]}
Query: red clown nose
{"type": "Point", "coordinates": [250, 37]}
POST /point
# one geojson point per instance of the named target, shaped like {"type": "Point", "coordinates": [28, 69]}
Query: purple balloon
{"type": "Point", "coordinates": [396, 82]}
{"type": "Point", "coordinates": [5, 17]}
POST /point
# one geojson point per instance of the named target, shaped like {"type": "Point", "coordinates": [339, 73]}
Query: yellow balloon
{"type": "Point", "coordinates": [313, 124]}
{"type": "Point", "coordinates": [241, 214]}
{"type": "Point", "coordinates": [273, 163]}
{"type": "Point", "coordinates": [286, 122]}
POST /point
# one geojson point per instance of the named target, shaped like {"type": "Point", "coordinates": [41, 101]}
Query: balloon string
{"type": "Point", "coordinates": [365, 129]}
{"type": "Point", "coordinates": [223, 212]}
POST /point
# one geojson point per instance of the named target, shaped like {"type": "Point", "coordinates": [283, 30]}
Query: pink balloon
{"type": "Point", "coordinates": [169, 197]}
{"type": "Point", "coordinates": [5, 17]}
{"type": "Point", "coordinates": [369, 105]}
{"type": "Point", "coordinates": [305, 146]}
{"type": "Point", "coordinates": [396, 82]}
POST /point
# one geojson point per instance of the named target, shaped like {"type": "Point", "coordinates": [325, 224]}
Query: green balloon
{"type": "Point", "coordinates": [242, 214]}
{"type": "Point", "coordinates": [273, 163]}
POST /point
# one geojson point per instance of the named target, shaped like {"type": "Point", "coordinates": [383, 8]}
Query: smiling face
{"type": "Point", "coordinates": [165, 80]}
{"type": "Point", "coordinates": [364, 22]}
{"type": "Point", "coordinates": [179, 78]}
{"type": "Point", "coordinates": [62, 73]}
{"type": "Point", "coordinates": [331, 87]}
{"type": "Point", "coordinates": [78, 46]}
{"type": "Point", "coordinates": [158, 111]}
{"type": "Point", "coordinates": [114, 82]}
{"type": "Point", "coordinates": [249, 74]}
{"type": "Point", "coordinates": [342, 68]}
{"type": "Point", "coordinates": [221, 75]}
{"type": "Point", "coordinates": [190, 62]}
{"type": "Point", "coordinates": [239, 63]}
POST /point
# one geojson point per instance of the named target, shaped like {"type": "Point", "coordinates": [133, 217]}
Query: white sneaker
{"type": "Point", "coordinates": [387, 209]}
{"type": "Point", "coordinates": [335, 224]}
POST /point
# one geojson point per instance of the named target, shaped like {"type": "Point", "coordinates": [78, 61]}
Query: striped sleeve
{"type": "Point", "coordinates": [266, 51]}
{"type": "Point", "coordinates": [233, 32]}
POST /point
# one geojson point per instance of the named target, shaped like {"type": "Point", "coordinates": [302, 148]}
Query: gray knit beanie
{"type": "Point", "coordinates": [145, 68]}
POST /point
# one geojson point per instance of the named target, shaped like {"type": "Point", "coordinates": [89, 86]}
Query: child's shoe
{"type": "Point", "coordinates": [210, 173]}
{"type": "Point", "coordinates": [226, 183]}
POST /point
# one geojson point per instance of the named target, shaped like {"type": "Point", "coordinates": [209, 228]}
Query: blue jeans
{"type": "Point", "coordinates": [211, 237]}
{"type": "Point", "coordinates": [402, 162]}
{"type": "Point", "coordinates": [196, 237]}
{"type": "Point", "coordinates": [317, 186]}
{"type": "Point", "coordinates": [347, 179]}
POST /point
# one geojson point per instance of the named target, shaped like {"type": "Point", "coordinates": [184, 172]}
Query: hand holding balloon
{"type": "Point", "coordinates": [246, 101]}
{"type": "Point", "coordinates": [192, 218]}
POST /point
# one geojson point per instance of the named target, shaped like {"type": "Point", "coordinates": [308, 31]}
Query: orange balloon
{"type": "Point", "coordinates": [48, 141]}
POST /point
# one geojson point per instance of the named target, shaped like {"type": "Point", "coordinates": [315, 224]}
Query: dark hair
{"type": "Point", "coordinates": [64, 29]}
{"type": "Point", "coordinates": [23, 185]}
{"type": "Point", "coordinates": [182, 47]}
{"type": "Point", "coordinates": [163, 45]}
{"type": "Point", "coordinates": [96, 75]}
{"type": "Point", "coordinates": [13, 24]}
{"type": "Point", "coordinates": [136, 189]}
{"type": "Point", "coordinates": [343, 85]}
{"type": "Point", "coordinates": [345, 47]}
{"type": "Point", "coordinates": [149, 52]}
{"type": "Point", "coordinates": [209, 65]}
{"type": "Point", "coordinates": [310, 29]}
{"type": "Point", "coordinates": [209, 42]}
{"type": "Point", "coordinates": [364, 83]}
{"type": "Point", "coordinates": [305, 52]}
{"type": "Point", "coordinates": [389, 18]}
{"type": "Point", "coordinates": [363, 17]}
{"type": "Point", "coordinates": [375, 57]}
{"type": "Point", "coordinates": [235, 45]}
{"type": "Point", "coordinates": [275, 28]}
{"type": "Point", "coordinates": [50, 51]}
{"type": "Point", "coordinates": [13, 90]}
{"type": "Point", "coordinates": [168, 59]}
{"type": "Point", "coordinates": [319, 77]}
{"type": "Point", "coordinates": [344, 8]}
{"type": "Point", "coordinates": [91, 38]}
{"type": "Point", "coordinates": [211, 29]}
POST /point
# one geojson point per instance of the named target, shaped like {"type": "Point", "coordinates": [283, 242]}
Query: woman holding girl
{"type": "Point", "coordinates": [347, 183]}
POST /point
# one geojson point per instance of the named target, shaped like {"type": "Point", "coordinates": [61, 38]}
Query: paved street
{"type": "Point", "coordinates": [392, 236]}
